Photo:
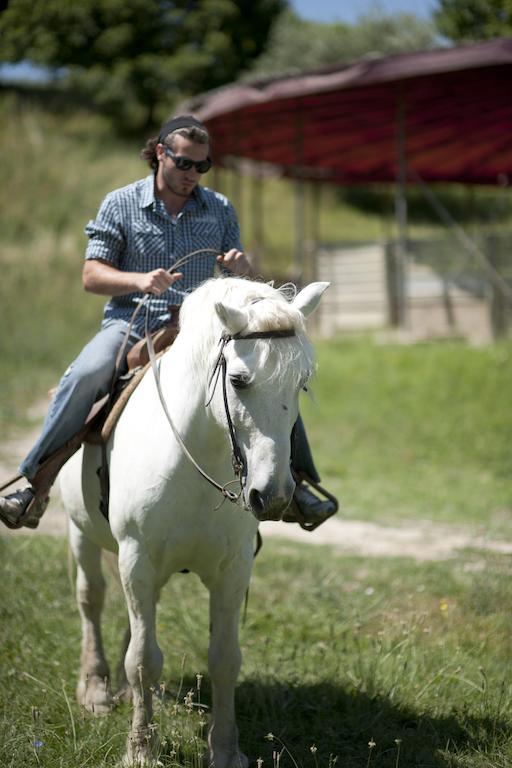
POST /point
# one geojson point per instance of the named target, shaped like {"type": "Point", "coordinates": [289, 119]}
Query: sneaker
{"type": "Point", "coordinates": [309, 510]}
{"type": "Point", "coordinates": [13, 509]}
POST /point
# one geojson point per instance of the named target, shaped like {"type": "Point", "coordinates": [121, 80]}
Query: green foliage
{"type": "Point", "coordinates": [472, 20]}
{"type": "Point", "coordinates": [136, 58]}
{"type": "Point", "coordinates": [338, 652]}
{"type": "Point", "coordinates": [322, 44]}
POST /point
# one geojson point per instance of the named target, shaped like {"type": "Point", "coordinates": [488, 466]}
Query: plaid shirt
{"type": "Point", "coordinates": [134, 232]}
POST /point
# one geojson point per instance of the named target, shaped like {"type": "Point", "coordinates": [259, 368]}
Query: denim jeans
{"type": "Point", "coordinates": [86, 380]}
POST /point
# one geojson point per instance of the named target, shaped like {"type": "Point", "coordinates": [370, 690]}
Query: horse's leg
{"type": "Point", "coordinates": [123, 689]}
{"type": "Point", "coordinates": [224, 661]}
{"type": "Point", "coordinates": [143, 659]}
{"type": "Point", "coordinates": [93, 688]}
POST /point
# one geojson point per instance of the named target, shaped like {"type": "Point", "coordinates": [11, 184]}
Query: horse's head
{"type": "Point", "coordinates": [268, 359]}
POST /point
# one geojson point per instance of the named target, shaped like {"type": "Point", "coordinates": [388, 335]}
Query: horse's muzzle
{"type": "Point", "coordinates": [267, 507]}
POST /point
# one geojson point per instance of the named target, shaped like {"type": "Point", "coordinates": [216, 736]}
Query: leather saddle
{"type": "Point", "coordinates": [104, 413]}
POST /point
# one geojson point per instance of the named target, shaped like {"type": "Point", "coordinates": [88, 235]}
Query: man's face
{"type": "Point", "coordinates": [181, 183]}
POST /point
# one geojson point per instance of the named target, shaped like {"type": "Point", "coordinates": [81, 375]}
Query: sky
{"type": "Point", "coordinates": [350, 10]}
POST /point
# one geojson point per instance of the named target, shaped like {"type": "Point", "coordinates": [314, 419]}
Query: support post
{"type": "Point", "coordinates": [299, 200]}
{"type": "Point", "coordinates": [258, 237]}
{"type": "Point", "coordinates": [399, 312]}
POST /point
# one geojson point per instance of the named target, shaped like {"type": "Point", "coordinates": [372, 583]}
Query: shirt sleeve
{"type": "Point", "coordinates": [106, 236]}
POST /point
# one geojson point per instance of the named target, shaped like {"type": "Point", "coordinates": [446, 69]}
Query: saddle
{"type": "Point", "coordinates": [102, 418]}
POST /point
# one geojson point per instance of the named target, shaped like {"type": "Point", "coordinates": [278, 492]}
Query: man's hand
{"type": "Point", "coordinates": [157, 281]}
{"type": "Point", "coordinates": [237, 262]}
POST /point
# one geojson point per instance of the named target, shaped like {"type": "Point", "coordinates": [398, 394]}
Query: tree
{"type": "Point", "coordinates": [136, 57]}
{"type": "Point", "coordinates": [471, 20]}
{"type": "Point", "coordinates": [296, 44]}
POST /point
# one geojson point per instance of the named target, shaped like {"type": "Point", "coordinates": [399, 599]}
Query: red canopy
{"type": "Point", "coordinates": [453, 108]}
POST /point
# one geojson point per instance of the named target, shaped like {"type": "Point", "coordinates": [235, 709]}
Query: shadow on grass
{"type": "Point", "coordinates": [341, 724]}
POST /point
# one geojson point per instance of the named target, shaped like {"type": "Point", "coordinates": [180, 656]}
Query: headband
{"type": "Point", "coordinates": [183, 121]}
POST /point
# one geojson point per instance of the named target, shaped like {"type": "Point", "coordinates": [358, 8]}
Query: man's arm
{"type": "Point", "coordinates": [102, 278]}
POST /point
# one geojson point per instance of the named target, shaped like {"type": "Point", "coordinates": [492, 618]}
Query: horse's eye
{"type": "Point", "coordinates": [240, 382]}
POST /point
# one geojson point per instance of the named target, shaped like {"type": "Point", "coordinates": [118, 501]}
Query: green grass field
{"type": "Point", "coordinates": [414, 432]}
{"type": "Point", "coordinates": [339, 653]}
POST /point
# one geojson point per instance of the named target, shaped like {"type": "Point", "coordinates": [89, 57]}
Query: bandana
{"type": "Point", "coordinates": [183, 121]}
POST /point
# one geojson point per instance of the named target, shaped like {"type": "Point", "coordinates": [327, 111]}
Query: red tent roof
{"type": "Point", "coordinates": [341, 123]}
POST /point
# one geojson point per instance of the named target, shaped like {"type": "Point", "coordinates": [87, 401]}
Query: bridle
{"type": "Point", "coordinates": [219, 371]}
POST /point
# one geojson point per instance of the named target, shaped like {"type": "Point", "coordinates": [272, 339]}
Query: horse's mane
{"type": "Point", "coordinates": [269, 309]}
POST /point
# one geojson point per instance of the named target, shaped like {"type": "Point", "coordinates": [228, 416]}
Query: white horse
{"type": "Point", "coordinates": [164, 517]}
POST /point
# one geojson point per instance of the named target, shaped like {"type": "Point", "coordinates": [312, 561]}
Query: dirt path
{"type": "Point", "coordinates": [423, 541]}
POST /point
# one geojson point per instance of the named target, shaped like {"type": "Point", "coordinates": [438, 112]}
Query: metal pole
{"type": "Point", "coordinates": [257, 215]}
{"type": "Point", "coordinates": [400, 314]}
{"type": "Point", "coordinates": [299, 198]}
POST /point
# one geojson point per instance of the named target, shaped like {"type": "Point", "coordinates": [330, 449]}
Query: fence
{"type": "Point", "coordinates": [438, 290]}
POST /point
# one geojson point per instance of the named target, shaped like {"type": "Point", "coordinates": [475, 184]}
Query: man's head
{"type": "Point", "coordinates": [179, 154]}
{"type": "Point", "coordinates": [185, 125]}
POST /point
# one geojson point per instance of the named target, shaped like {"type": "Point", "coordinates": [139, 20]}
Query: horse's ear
{"type": "Point", "coordinates": [308, 299]}
{"type": "Point", "coordinates": [232, 318]}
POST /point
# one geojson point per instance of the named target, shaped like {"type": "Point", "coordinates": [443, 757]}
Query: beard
{"type": "Point", "coordinates": [182, 188]}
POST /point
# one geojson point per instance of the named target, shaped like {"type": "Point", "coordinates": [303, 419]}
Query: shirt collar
{"type": "Point", "coordinates": [148, 198]}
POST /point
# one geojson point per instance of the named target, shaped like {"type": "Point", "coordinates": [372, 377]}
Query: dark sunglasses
{"type": "Point", "coordinates": [185, 163]}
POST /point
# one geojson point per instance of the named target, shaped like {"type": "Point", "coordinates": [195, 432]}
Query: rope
{"type": "Point", "coordinates": [233, 497]}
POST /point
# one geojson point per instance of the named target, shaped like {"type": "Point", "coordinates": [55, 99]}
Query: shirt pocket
{"type": "Point", "coordinates": [147, 245]}
{"type": "Point", "coordinates": [206, 234]}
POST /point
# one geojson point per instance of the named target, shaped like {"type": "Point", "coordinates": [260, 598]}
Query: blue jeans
{"type": "Point", "coordinates": [86, 380]}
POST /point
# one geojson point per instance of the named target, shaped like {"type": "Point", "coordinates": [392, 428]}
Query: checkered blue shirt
{"type": "Point", "coordinates": [134, 232]}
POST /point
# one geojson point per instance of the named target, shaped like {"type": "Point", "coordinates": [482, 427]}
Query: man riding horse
{"type": "Point", "coordinates": [140, 232]}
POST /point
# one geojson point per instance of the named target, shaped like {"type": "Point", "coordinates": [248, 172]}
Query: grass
{"type": "Point", "coordinates": [339, 653]}
{"type": "Point", "coordinates": [408, 432]}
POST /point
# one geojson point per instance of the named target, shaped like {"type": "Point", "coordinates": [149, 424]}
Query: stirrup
{"type": "Point", "coordinates": [296, 515]}
{"type": "Point", "coordinates": [328, 496]}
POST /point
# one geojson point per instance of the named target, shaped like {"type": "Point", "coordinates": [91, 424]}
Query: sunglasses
{"type": "Point", "coordinates": [185, 163]}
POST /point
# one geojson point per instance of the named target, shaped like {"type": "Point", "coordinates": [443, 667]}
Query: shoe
{"type": "Point", "coordinates": [308, 510]}
{"type": "Point", "coordinates": [14, 507]}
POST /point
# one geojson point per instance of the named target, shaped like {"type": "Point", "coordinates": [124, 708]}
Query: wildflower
{"type": "Point", "coordinates": [188, 701]}
{"type": "Point", "coordinates": [270, 737]}
{"type": "Point", "coordinates": [372, 744]}
{"type": "Point", "coordinates": [313, 749]}
{"type": "Point", "coordinates": [443, 606]}
{"type": "Point", "coordinates": [259, 762]}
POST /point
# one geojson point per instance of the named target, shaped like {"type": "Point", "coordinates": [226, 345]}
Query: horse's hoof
{"type": "Point", "coordinates": [124, 694]}
{"type": "Point", "coordinates": [142, 752]}
{"type": "Point", "coordinates": [237, 760]}
{"type": "Point", "coordinates": [94, 694]}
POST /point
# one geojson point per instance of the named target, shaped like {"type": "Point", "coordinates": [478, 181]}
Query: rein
{"type": "Point", "coordinates": [145, 299]}
{"type": "Point", "coordinates": [219, 369]}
